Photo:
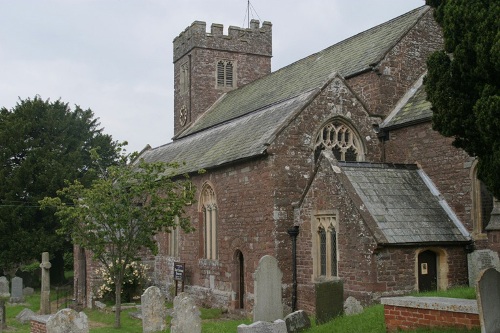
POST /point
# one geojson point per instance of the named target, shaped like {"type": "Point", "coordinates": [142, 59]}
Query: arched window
{"type": "Point", "coordinates": [482, 201]}
{"type": "Point", "coordinates": [173, 240]}
{"type": "Point", "coordinates": [209, 211]}
{"type": "Point", "coordinates": [225, 71]}
{"type": "Point", "coordinates": [341, 139]}
{"type": "Point", "coordinates": [325, 245]}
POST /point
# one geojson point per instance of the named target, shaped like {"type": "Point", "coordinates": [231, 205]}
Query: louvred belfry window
{"type": "Point", "coordinates": [225, 74]}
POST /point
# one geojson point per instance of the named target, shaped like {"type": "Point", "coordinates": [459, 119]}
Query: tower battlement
{"type": "Point", "coordinates": [254, 40]}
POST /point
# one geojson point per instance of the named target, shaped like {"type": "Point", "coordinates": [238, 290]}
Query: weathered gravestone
{"type": "Point", "coordinates": [480, 260]}
{"type": "Point", "coordinates": [153, 310]}
{"type": "Point", "coordinates": [488, 300]}
{"type": "Point", "coordinates": [267, 288]}
{"type": "Point", "coordinates": [25, 316]}
{"type": "Point", "coordinates": [352, 306]}
{"type": "Point", "coordinates": [68, 321]}
{"type": "Point", "coordinates": [45, 292]}
{"type": "Point", "coordinates": [186, 316]}
{"type": "Point", "coordinates": [329, 300]}
{"type": "Point", "coordinates": [28, 291]}
{"type": "Point", "coordinates": [17, 290]}
{"type": "Point", "coordinates": [297, 321]}
{"type": "Point", "coordinates": [4, 296]}
{"type": "Point", "coordinates": [278, 326]}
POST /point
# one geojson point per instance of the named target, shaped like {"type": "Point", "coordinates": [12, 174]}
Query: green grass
{"type": "Point", "coordinates": [214, 321]}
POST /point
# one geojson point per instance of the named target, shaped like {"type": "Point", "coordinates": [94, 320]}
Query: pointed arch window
{"type": "Point", "coordinates": [209, 212]}
{"type": "Point", "coordinates": [225, 74]}
{"type": "Point", "coordinates": [342, 140]}
{"type": "Point", "coordinates": [482, 200]}
{"type": "Point", "coordinates": [325, 245]}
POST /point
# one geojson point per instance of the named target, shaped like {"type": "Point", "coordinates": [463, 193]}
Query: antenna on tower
{"type": "Point", "coordinates": [250, 11]}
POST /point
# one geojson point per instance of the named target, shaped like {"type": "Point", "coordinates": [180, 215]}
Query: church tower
{"type": "Point", "coordinates": [209, 64]}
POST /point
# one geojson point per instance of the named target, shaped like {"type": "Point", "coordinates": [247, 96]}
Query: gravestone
{"type": "Point", "coordinates": [186, 316]}
{"type": "Point", "coordinates": [4, 296]}
{"type": "Point", "coordinates": [153, 310]}
{"type": "Point", "coordinates": [68, 321]}
{"type": "Point", "coordinates": [480, 260]}
{"type": "Point", "coordinates": [352, 306]}
{"type": "Point", "coordinates": [28, 291]}
{"type": "Point", "coordinates": [488, 300]}
{"type": "Point", "coordinates": [267, 288]}
{"type": "Point", "coordinates": [329, 300]}
{"type": "Point", "coordinates": [25, 316]}
{"type": "Point", "coordinates": [45, 292]}
{"type": "Point", "coordinates": [278, 326]}
{"type": "Point", "coordinates": [17, 290]}
{"type": "Point", "coordinates": [297, 321]}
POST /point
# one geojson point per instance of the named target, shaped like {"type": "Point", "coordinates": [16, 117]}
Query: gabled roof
{"type": "Point", "coordinates": [405, 205]}
{"type": "Point", "coordinates": [239, 139]}
{"type": "Point", "coordinates": [245, 121]}
{"type": "Point", "coordinates": [348, 57]}
{"type": "Point", "coordinates": [413, 108]}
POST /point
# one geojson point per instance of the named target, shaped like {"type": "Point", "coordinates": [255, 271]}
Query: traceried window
{"type": "Point", "coordinates": [342, 140]}
{"type": "Point", "coordinates": [225, 74]}
{"type": "Point", "coordinates": [209, 212]}
{"type": "Point", "coordinates": [482, 203]}
{"type": "Point", "coordinates": [173, 240]}
{"type": "Point", "coordinates": [325, 245]}
{"type": "Point", "coordinates": [184, 78]}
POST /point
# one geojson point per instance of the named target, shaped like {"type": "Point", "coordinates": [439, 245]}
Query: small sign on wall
{"type": "Point", "coordinates": [423, 268]}
{"type": "Point", "coordinates": [179, 273]}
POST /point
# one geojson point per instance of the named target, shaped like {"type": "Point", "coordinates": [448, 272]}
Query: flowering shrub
{"type": "Point", "coordinates": [134, 279]}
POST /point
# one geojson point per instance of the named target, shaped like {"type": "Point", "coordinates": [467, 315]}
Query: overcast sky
{"type": "Point", "coordinates": [115, 56]}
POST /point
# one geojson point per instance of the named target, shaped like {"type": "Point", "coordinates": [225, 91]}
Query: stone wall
{"type": "Point", "coordinates": [381, 88]}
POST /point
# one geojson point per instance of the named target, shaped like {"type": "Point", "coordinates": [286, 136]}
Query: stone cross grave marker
{"type": "Point", "coordinates": [17, 290]}
{"type": "Point", "coordinates": [153, 310]}
{"type": "Point", "coordinates": [268, 304]}
{"type": "Point", "coordinates": [45, 292]}
{"type": "Point", "coordinates": [4, 296]}
{"type": "Point", "coordinates": [186, 316]}
{"type": "Point", "coordinates": [488, 300]}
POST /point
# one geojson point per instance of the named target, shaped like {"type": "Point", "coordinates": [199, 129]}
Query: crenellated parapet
{"type": "Point", "coordinates": [254, 40]}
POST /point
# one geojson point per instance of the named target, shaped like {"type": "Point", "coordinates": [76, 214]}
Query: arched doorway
{"type": "Point", "coordinates": [239, 280]}
{"type": "Point", "coordinates": [427, 271]}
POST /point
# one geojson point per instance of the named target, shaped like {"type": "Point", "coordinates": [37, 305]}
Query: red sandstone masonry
{"type": "Point", "coordinates": [408, 313]}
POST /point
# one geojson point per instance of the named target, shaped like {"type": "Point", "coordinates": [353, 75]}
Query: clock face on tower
{"type": "Point", "coordinates": [183, 115]}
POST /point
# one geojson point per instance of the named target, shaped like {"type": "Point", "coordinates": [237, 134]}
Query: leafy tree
{"type": "Point", "coordinates": [119, 214]}
{"type": "Point", "coordinates": [42, 143]}
{"type": "Point", "coordinates": [463, 81]}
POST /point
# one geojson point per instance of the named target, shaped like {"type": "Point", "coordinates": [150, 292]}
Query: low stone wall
{"type": "Point", "coordinates": [39, 324]}
{"type": "Point", "coordinates": [409, 312]}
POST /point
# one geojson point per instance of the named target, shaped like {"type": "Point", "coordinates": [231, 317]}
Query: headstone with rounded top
{"type": "Point", "coordinates": [267, 287]}
{"type": "Point", "coordinates": [488, 300]}
{"type": "Point", "coordinates": [153, 310]}
{"type": "Point", "coordinates": [17, 290]}
{"type": "Point", "coordinates": [186, 315]}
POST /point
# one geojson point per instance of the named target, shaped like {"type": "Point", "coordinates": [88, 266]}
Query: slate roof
{"type": "Point", "coordinates": [245, 121]}
{"type": "Point", "coordinates": [236, 140]}
{"type": "Point", "coordinates": [417, 109]}
{"type": "Point", "coordinates": [348, 57]}
{"type": "Point", "coordinates": [405, 207]}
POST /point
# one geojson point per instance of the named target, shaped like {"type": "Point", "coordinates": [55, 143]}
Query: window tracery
{"type": "Point", "coordinates": [342, 140]}
{"type": "Point", "coordinates": [209, 210]}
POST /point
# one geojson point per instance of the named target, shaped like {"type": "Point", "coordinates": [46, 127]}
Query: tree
{"type": "Point", "coordinates": [463, 82]}
{"type": "Point", "coordinates": [42, 143]}
{"type": "Point", "coordinates": [119, 214]}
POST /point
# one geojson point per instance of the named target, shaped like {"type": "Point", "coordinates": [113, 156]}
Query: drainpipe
{"type": "Point", "coordinates": [294, 232]}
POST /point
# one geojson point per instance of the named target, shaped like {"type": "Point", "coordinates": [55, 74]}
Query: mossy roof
{"type": "Point", "coordinates": [417, 109]}
{"type": "Point", "coordinates": [406, 208]}
{"type": "Point", "coordinates": [348, 57]}
{"type": "Point", "coordinates": [245, 121]}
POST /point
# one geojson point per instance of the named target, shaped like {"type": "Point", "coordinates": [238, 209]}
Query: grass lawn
{"type": "Point", "coordinates": [213, 320]}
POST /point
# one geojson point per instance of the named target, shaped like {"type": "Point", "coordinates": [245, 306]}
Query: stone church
{"type": "Point", "coordinates": [329, 164]}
